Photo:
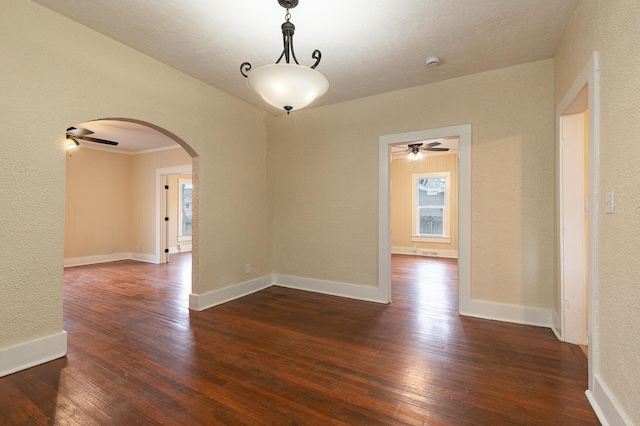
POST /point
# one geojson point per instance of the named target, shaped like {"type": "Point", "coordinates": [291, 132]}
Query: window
{"type": "Point", "coordinates": [185, 206]}
{"type": "Point", "coordinates": [431, 207]}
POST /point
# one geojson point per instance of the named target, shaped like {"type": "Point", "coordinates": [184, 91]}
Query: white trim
{"type": "Point", "coordinates": [571, 229]}
{"type": "Point", "coordinates": [351, 291]}
{"type": "Point", "coordinates": [446, 209]}
{"type": "Point", "coordinates": [160, 172]}
{"type": "Point", "coordinates": [397, 155]}
{"type": "Point", "coordinates": [29, 354]}
{"type": "Point", "coordinates": [105, 258]}
{"type": "Point", "coordinates": [428, 252]}
{"type": "Point", "coordinates": [508, 313]}
{"type": "Point", "coordinates": [605, 405]}
{"type": "Point", "coordinates": [144, 257]}
{"type": "Point", "coordinates": [555, 324]}
{"type": "Point", "coordinates": [181, 182]}
{"type": "Point", "coordinates": [100, 258]}
{"type": "Point", "coordinates": [200, 302]}
{"type": "Point", "coordinates": [85, 145]}
{"type": "Point", "coordinates": [590, 76]}
{"type": "Point", "coordinates": [436, 240]}
{"type": "Point", "coordinates": [149, 151]}
{"type": "Point", "coordinates": [180, 248]}
{"type": "Point", "coordinates": [463, 132]}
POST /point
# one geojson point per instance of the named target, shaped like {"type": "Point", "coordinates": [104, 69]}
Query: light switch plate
{"type": "Point", "coordinates": [609, 202]}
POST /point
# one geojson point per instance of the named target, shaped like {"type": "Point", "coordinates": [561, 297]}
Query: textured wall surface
{"type": "Point", "coordinates": [111, 201]}
{"type": "Point", "coordinates": [53, 71]}
{"type": "Point", "coordinates": [325, 163]}
{"type": "Point", "coordinates": [611, 28]}
{"type": "Point", "coordinates": [402, 197]}
{"type": "Point", "coordinates": [97, 218]}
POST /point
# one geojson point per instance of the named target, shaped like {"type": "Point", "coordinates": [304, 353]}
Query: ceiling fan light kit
{"type": "Point", "coordinates": [415, 150]}
{"type": "Point", "coordinates": [71, 143]}
{"type": "Point", "coordinates": [286, 85]}
{"type": "Point", "coordinates": [75, 134]}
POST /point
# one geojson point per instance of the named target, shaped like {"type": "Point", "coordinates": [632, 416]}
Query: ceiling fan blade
{"type": "Point", "coordinates": [73, 131]}
{"type": "Point", "coordinates": [104, 141]}
{"type": "Point", "coordinates": [437, 149]}
{"type": "Point", "coordinates": [432, 144]}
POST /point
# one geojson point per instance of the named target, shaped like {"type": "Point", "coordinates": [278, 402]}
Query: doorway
{"type": "Point", "coordinates": [578, 123]}
{"type": "Point", "coordinates": [463, 134]}
{"type": "Point", "coordinates": [174, 217]}
{"type": "Point", "coordinates": [573, 219]}
{"type": "Point", "coordinates": [112, 205]}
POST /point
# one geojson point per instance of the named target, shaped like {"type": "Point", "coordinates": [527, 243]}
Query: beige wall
{"type": "Point", "coordinates": [144, 205]}
{"type": "Point", "coordinates": [98, 193]}
{"type": "Point", "coordinates": [402, 197]}
{"type": "Point", "coordinates": [111, 201]}
{"type": "Point", "coordinates": [611, 28]}
{"type": "Point", "coordinates": [315, 205]}
{"type": "Point", "coordinates": [53, 71]}
{"type": "Point", "coordinates": [325, 163]}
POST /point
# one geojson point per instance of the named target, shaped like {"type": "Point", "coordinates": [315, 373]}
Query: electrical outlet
{"type": "Point", "coordinates": [609, 202]}
{"type": "Point", "coordinates": [247, 268]}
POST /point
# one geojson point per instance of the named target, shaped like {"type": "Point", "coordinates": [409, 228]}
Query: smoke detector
{"type": "Point", "coordinates": [433, 61]}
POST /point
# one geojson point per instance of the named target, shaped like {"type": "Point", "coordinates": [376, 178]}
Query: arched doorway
{"type": "Point", "coordinates": [112, 195]}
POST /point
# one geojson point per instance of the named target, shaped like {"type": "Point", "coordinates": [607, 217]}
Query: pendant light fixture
{"type": "Point", "coordinates": [286, 85]}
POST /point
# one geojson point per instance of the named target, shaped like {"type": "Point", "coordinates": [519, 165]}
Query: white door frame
{"type": "Point", "coordinates": [463, 132]}
{"type": "Point", "coordinates": [571, 224]}
{"type": "Point", "coordinates": [185, 169]}
{"type": "Point", "coordinates": [589, 78]}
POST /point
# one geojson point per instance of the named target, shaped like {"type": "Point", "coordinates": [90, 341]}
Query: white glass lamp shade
{"type": "Point", "coordinates": [287, 85]}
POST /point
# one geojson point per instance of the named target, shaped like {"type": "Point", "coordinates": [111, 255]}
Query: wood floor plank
{"type": "Point", "coordinates": [137, 355]}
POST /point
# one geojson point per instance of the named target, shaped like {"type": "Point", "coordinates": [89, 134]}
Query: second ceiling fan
{"type": "Point", "coordinates": [415, 149]}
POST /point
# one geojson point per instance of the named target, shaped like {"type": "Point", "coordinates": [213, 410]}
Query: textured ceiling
{"type": "Point", "coordinates": [132, 137]}
{"type": "Point", "coordinates": [368, 47]}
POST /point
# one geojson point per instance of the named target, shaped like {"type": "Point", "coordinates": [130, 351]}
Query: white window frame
{"type": "Point", "coordinates": [181, 182]}
{"type": "Point", "coordinates": [446, 212]}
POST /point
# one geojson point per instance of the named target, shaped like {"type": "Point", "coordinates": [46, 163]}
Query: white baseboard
{"type": "Point", "coordinates": [30, 354]}
{"type": "Point", "coordinates": [555, 325]}
{"type": "Point", "coordinates": [604, 404]}
{"type": "Point", "coordinates": [427, 252]}
{"type": "Point", "coordinates": [200, 302]}
{"type": "Point", "coordinates": [182, 248]}
{"type": "Point", "coordinates": [104, 258]}
{"type": "Point", "coordinates": [143, 257]}
{"type": "Point", "coordinates": [351, 291]}
{"type": "Point", "coordinates": [101, 258]}
{"type": "Point", "coordinates": [508, 313]}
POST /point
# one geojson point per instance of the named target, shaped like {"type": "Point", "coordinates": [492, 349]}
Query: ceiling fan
{"type": "Point", "coordinates": [74, 134]}
{"type": "Point", "coordinates": [415, 148]}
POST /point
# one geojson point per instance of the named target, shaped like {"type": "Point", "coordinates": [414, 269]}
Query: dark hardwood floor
{"type": "Point", "coordinates": [137, 355]}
